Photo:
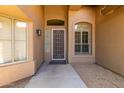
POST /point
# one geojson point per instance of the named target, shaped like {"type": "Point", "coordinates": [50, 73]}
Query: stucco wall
{"type": "Point", "coordinates": [110, 40]}
{"type": "Point", "coordinates": [13, 11]}
{"type": "Point", "coordinates": [16, 71]}
{"type": "Point", "coordinates": [35, 13]}
{"type": "Point", "coordinates": [84, 14]}
{"type": "Point", "coordinates": [53, 12]}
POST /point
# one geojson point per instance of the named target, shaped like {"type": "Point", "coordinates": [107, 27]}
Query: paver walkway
{"type": "Point", "coordinates": [56, 76]}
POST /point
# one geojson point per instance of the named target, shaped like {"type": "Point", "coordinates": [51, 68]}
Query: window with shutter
{"type": "Point", "coordinates": [82, 38]}
{"type": "Point", "coordinates": [13, 40]}
{"type": "Point", "coordinates": [5, 40]}
{"type": "Point", "coordinates": [20, 40]}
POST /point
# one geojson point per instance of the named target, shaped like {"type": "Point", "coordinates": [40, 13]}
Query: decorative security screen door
{"type": "Point", "coordinates": [58, 44]}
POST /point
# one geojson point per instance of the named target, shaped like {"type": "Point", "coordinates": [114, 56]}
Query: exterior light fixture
{"type": "Point", "coordinates": [38, 31]}
{"type": "Point", "coordinates": [21, 24]}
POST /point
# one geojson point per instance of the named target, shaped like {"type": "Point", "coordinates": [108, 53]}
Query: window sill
{"type": "Point", "coordinates": [14, 63]}
{"type": "Point", "coordinates": [82, 55]}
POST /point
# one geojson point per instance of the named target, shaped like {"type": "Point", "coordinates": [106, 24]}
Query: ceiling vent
{"type": "Point", "coordinates": [108, 9]}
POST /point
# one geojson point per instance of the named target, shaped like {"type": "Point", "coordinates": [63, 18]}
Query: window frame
{"type": "Point", "coordinates": [13, 40]}
{"type": "Point", "coordinates": [26, 30]}
{"type": "Point", "coordinates": [81, 44]}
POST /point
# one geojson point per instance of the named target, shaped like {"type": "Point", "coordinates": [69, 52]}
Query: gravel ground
{"type": "Point", "coordinates": [96, 76]}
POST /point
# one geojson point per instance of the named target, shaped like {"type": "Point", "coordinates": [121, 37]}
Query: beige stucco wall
{"type": "Point", "coordinates": [110, 40]}
{"type": "Point", "coordinates": [34, 16]}
{"type": "Point", "coordinates": [53, 12]}
{"type": "Point", "coordinates": [13, 11]}
{"type": "Point", "coordinates": [84, 14]}
{"type": "Point", "coordinates": [35, 13]}
{"type": "Point", "coordinates": [13, 72]}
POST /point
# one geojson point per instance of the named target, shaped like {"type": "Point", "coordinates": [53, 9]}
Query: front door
{"type": "Point", "coordinates": [58, 44]}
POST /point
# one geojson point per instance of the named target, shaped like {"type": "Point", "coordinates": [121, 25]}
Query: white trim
{"type": "Point", "coordinates": [14, 63]}
{"type": "Point", "coordinates": [13, 38]}
{"type": "Point", "coordinates": [64, 43]}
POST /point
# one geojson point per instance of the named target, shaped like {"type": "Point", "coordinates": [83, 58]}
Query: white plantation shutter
{"type": "Point", "coordinates": [5, 40]}
{"type": "Point", "coordinates": [83, 38]}
{"type": "Point", "coordinates": [17, 45]}
{"type": "Point", "coordinates": [20, 40]}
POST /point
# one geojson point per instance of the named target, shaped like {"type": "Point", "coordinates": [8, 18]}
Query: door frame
{"type": "Point", "coordinates": [64, 43]}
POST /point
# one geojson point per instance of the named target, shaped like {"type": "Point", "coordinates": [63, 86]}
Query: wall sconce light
{"type": "Point", "coordinates": [38, 31]}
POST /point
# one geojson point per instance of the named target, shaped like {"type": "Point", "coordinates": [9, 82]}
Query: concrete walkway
{"type": "Point", "coordinates": [56, 76]}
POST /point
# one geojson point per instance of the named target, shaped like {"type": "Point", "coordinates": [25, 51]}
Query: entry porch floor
{"type": "Point", "coordinates": [56, 76]}
{"type": "Point", "coordinates": [70, 75]}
